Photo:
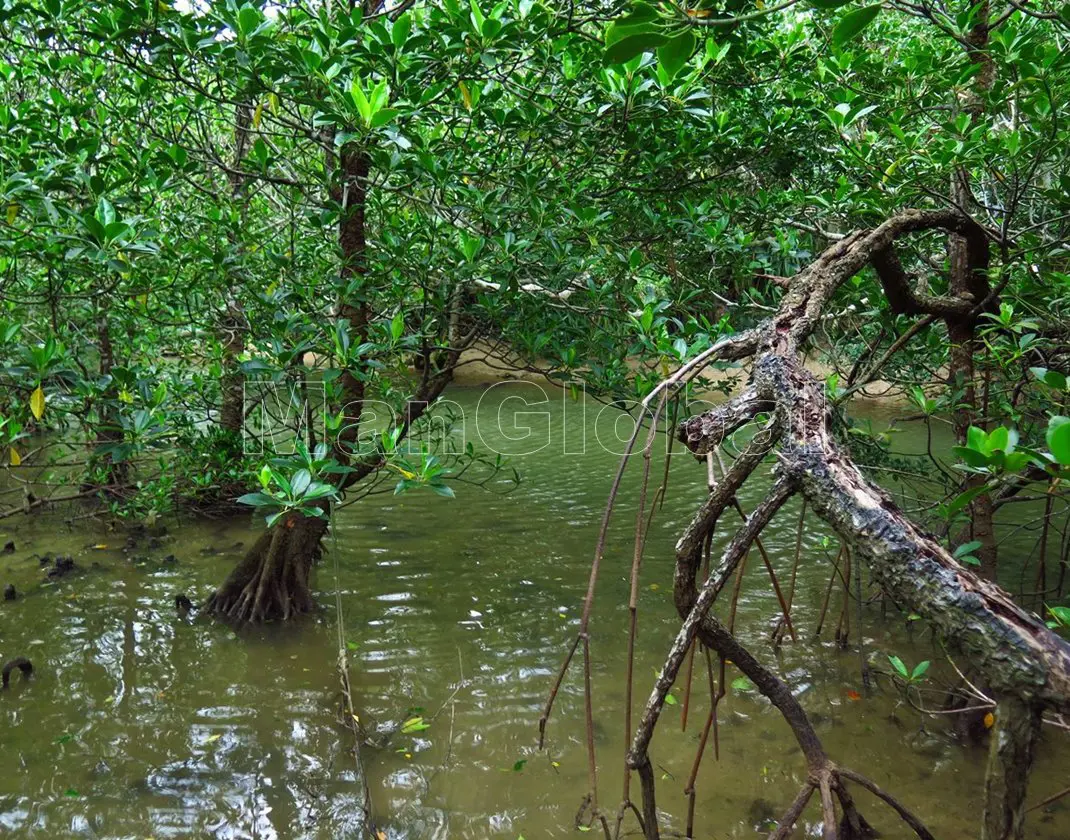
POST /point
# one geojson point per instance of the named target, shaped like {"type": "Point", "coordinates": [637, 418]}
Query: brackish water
{"type": "Point", "coordinates": [138, 723]}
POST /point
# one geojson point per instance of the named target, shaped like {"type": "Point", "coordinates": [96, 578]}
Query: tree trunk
{"type": "Point", "coordinates": [967, 281]}
{"type": "Point", "coordinates": [1010, 758]}
{"type": "Point", "coordinates": [233, 326]}
{"type": "Point", "coordinates": [272, 582]}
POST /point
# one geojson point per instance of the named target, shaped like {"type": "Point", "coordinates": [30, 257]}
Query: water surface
{"type": "Point", "coordinates": [140, 724]}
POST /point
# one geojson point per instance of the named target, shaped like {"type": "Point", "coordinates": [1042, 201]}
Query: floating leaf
{"type": "Point", "coordinates": [990, 720]}
{"type": "Point", "coordinates": [211, 739]}
{"type": "Point", "coordinates": [414, 725]}
{"type": "Point", "coordinates": [853, 695]}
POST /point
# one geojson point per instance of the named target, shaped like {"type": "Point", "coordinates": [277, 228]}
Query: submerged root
{"type": "Point", "coordinates": [271, 581]}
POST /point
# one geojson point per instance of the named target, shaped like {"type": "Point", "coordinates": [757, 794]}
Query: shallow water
{"type": "Point", "coordinates": [141, 724]}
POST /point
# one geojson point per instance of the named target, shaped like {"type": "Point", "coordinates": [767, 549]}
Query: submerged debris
{"type": "Point", "coordinates": [61, 566]}
{"type": "Point", "coordinates": [20, 662]}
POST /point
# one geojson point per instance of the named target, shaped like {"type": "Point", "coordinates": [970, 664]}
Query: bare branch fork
{"type": "Point", "coordinates": [1025, 666]}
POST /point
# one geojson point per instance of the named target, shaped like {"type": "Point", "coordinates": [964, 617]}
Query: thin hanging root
{"type": "Point", "coordinates": [349, 711]}
{"type": "Point", "coordinates": [690, 665]}
{"type": "Point", "coordinates": [716, 694]}
{"type": "Point", "coordinates": [687, 688]}
{"type": "Point", "coordinates": [641, 529]}
{"type": "Point", "coordinates": [727, 349]}
{"type": "Point", "coordinates": [843, 627]}
{"type": "Point", "coordinates": [778, 631]}
{"type": "Point", "coordinates": [828, 593]}
{"type": "Point", "coordinates": [785, 610]}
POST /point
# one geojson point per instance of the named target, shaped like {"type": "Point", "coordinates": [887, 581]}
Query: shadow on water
{"type": "Point", "coordinates": [141, 723]}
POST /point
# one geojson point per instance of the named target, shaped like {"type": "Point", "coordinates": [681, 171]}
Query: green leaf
{"type": "Point", "coordinates": [964, 499]}
{"type": "Point", "coordinates": [852, 24]}
{"type": "Point", "coordinates": [1059, 439]}
{"type": "Point", "coordinates": [249, 19]}
{"type": "Point", "coordinates": [364, 107]}
{"type": "Point", "coordinates": [302, 478]}
{"type": "Point", "coordinates": [257, 500]}
{"type": "Point", "coordinates": [400, 32]}
{"type": "Point", "coordinates": [1051, 378]}
{"type": "Point", "coordinates": [968, 548]}
{"type": "Point", "coordinates": [998, 439]}
{"type": "Point", "coordinates": [900, 668]}
{"type": "Point", "coordinates": [1061, 615]}
{"type": "Point", "coordinates": [383, 117]}
{"type": "Point", "coordinates": [633, 45]}
{"type": "Point", "coordinates": [971, 456]}
{"type": "Point", "coordinates": [919, 670]}
{"type": "Point", "coordinates": [828, 4]}
{"type": "Point", "coordinates": [742, 684]}
{"type": "Point", "coordinates": [670, 700]}
{"type": "Point", "coordinates": [477, 16]}
{"type": "Point", "coordinates": [414, 725]}
{"type": "Point", "coordinates": [673, 55]}
{"type": "Point", "coordinates": [518, 765]}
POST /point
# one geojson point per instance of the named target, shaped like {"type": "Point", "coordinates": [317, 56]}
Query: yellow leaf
{"type": "Point", "coordinates": [12, 212]}
{"type": "Point", "coordinates": [143, 298]}
{"type": "Point", "coordinates": [257, 114]}
{"type": "Point", "coordinates": [273, 101]}
{"type": "Point", "coordinates": [126, 397]}
{"type": "Point", "coordinates": [990, 720]}
{"type": "Point", "coordinates": [467, 96]}
{"type": "Point", "coordinates": [37, 403]}
{"type": "Point", "coordinates": [211, 739]}
{"type": "Point", "coordinates": [16, 459]}
{"type": "Point", "coordinates": [100, 546]}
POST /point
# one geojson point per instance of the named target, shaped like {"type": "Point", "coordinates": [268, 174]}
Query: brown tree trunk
{"type": "Point", "coordinates": [233, 326]}
{"type": "Point", "coordinates": [1010, 758]}
{"type": "Point", "coordinates": [272, 581]}
{"type": "Point", "coordinates": [966, 282]}
{"type": "Point", "coordinates": [110, 430]}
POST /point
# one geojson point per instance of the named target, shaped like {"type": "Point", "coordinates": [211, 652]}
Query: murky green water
{"type": "Point", "coordinates": [142, 724]}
